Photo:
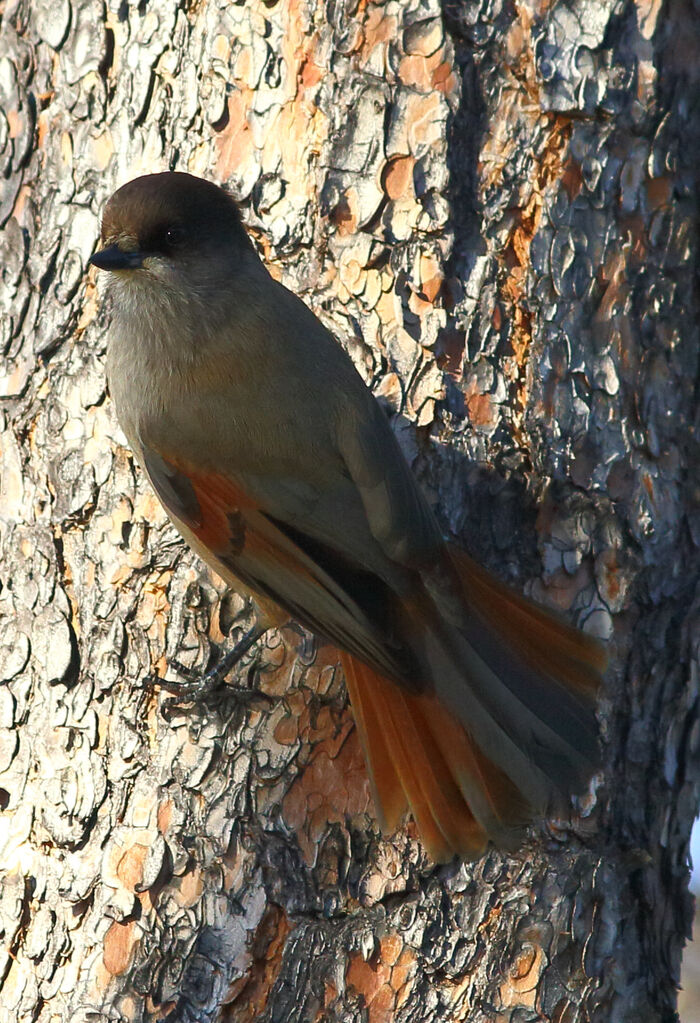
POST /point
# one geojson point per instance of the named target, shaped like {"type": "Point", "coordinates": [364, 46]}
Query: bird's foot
{"type": "Point", "coordinates": [194, 687]}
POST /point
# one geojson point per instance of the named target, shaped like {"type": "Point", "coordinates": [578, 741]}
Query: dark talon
{"type": "Point", "coordinates": [197, 687]}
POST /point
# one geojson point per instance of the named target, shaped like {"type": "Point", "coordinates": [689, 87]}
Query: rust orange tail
{"type": "Point", "coordinates": [462, 781]}
{"type": "Point", "coordinates": [421, 759]}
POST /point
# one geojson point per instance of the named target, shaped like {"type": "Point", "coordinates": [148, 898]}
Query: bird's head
{"type": "Point", "coordinates": [175, 231]}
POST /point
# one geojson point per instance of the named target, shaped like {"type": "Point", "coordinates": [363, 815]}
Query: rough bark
{"type": "Point", "coordinates": [494, 206]}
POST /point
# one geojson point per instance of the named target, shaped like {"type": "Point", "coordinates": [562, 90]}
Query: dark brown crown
{"type": "Point", "coordinates": [152, 207]}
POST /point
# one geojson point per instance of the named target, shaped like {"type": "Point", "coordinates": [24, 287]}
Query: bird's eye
{"type": "Point", "coordinates": [174, 235]}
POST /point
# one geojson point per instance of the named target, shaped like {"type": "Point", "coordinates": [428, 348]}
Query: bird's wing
{"type": "Point", "coordinates": [315, 582]}
{"type": "Point", "coordinates": [364, 502]}
{"type": "Point", "coordinates": [396, 511]}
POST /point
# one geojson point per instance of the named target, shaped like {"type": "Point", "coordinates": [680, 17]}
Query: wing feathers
{"type": "Point", "coordinates": [227, 521]}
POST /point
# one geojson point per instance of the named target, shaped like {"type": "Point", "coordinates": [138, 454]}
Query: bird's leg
{"type": "Point", "coordinates": [197, 687]}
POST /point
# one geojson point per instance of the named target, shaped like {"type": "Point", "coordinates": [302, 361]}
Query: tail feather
{"type": "Point", "coordinates": [403, 750]}
{"type": "Point", "coordinates": [505, 725]}
{"type": "Point", "coordinates": [511, 667]}
{"type": "Point", "coordinates": [507, 731]}
{"type": "Point", "coordinates": [433, 791]}
{"type": "Point", "coordinates": [420, 758]}
{"type": "Point", "coordinates": [496, 803]}
{"type": "Point", "coordinates": [387, 790]}
{"type": "Point", "coordinates": [529, 727]}
{"type": "Point", "coordinates": [544, 639]}
{"type": "Point", "coordinates": [552, 668]}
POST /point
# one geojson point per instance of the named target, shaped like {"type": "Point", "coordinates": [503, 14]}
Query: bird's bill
{"type": "Point", "coordinates": [114, 258]}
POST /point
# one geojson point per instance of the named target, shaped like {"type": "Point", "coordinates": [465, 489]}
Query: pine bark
{"type": "Point", "coordinates": [495, 208]}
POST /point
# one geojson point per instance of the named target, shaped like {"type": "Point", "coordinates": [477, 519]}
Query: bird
{"type": "Point", "coordinates": [475, 707]}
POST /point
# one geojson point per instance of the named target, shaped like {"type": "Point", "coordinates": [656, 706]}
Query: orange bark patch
{"type": "Point", "coordinates": [572, 179]}
{"type": "Point", "coordinates": [612, 274]}
{"type": "Point", "coordinates": [428, 73]}
{"type": "Point", "coordinates": [90, 305]}
{"type": "Point", "coordinates": [42, 128]}
{"type": "Point", "coordinates": [190, 888]}
{"type": "Point", "coordinates": [289, 142]}
{"type": "Point", "coordinates": [153, 613]}
{"type": "Point", "coordinates": [522, 104]}
{"type": "Point", "coordinates": [430, 276]}
{"type": "Point", "coordinates": [378, 29]}
{"type": "Point", "coordinates": [23, 195]}
{"type": "Point", "coordinates": [296, 721]}
{"type": "Point", "coordinates": [482, 409]}
{"type": "Point", "coordinates": [119, 945]}
{"type": "Point", "coordinates": [310, 74]}
{"type": "Point", "coordinates": [418, 304]}
{"type": "Point", "coordinates": [517, 256]}
{"type": "Point", "coordinates": [425, 121]}
{"type": "Point", "coordinates": [130, 866]}
{"type": "Point", "coordinates": [334, 783]}
{"type": "Point", "coordinates": [520, 986]}
{"type": "Point", "coordinates": [562, 589]}
{"type": "Point", "coordinates": [444, 79]}
{"type": "Point", "coordinates": [15, 122]}
{"type": "Point", "coordinates": [634, 230]}
{"type": "Point", "coordinates": [248, 996]}
{"type": "Point", "coordinates": [344, 213]}
{"type": "Point", "coordinates": [611, 569]}
{"type": "Point", "coordinates": [658, 192]}
{"type": "Point", "coordinates": [102, 150]}
{"type": "Point", "coordinates": [235, 143]}
{"type": "Point", "coordinates": [414, 72]}
{"type": "Point", "coordinates": [398, 177]}
{"type": "Point", "coordinates": [382, 980]}
{"type": "Point", "coordinates": [165, 816]}
{"type": "Point", "coordinates": [368, 978]}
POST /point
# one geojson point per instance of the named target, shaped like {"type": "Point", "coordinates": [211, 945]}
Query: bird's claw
{"type": "Point", "coordinates": [194, 687]}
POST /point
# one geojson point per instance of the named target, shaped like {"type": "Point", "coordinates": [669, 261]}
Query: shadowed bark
{"type": "Point", "coordinates": [494, 206]}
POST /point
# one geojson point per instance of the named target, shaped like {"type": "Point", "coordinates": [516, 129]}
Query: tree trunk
{"type": "Point", "coordinates": [494, 208]}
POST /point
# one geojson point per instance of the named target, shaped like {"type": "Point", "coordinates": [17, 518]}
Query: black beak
{"type": "Point", "coordinates": [114, 258]}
